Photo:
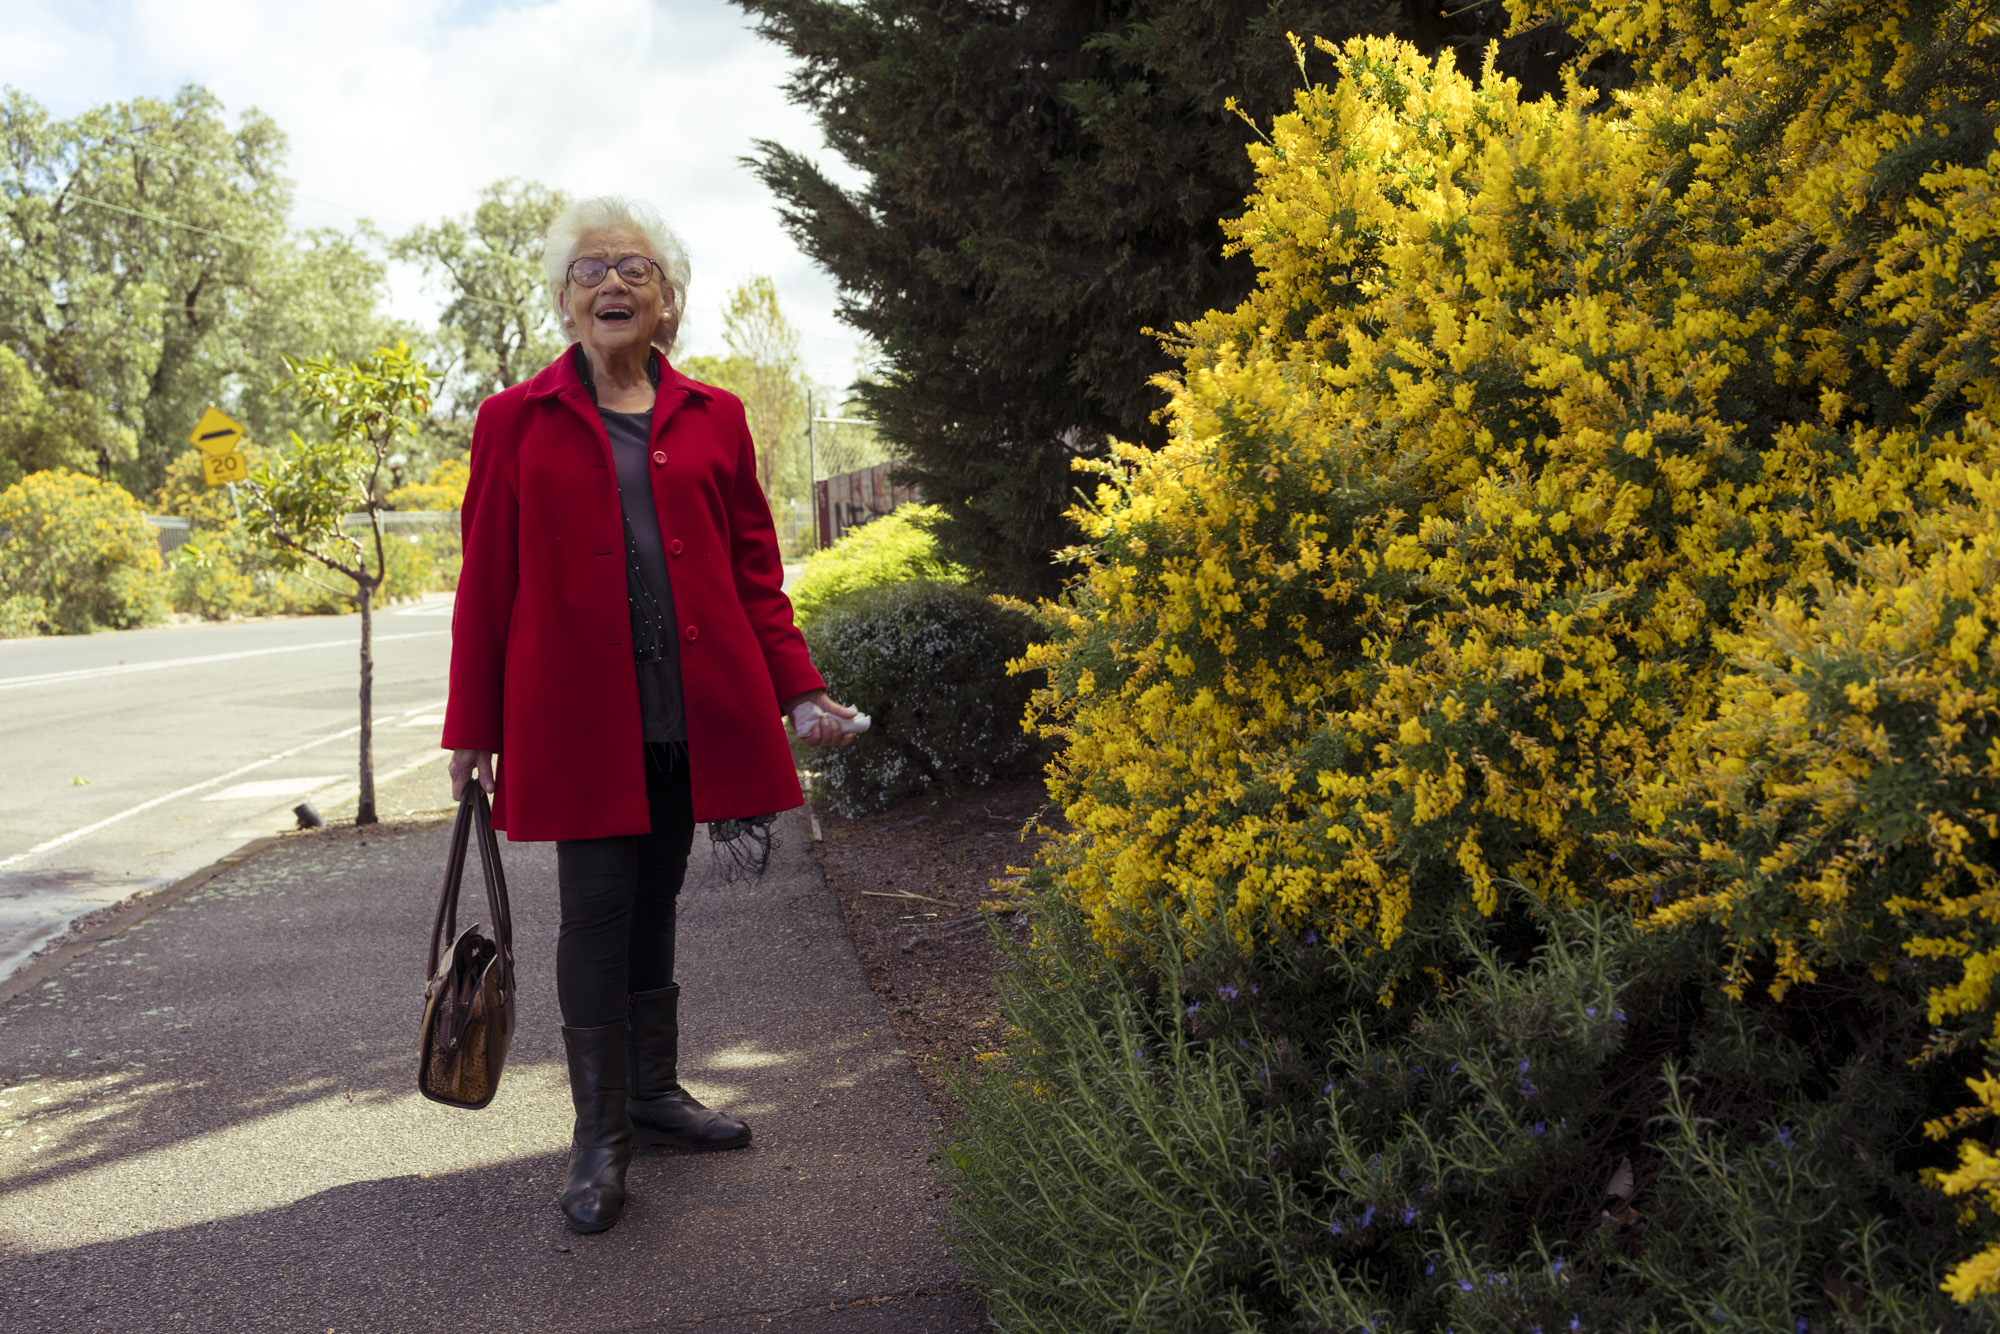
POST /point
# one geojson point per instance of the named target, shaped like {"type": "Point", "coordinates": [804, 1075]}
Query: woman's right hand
{"type": "Point", "coordinates": [464, 763]}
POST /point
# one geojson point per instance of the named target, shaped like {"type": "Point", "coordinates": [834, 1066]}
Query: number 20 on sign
{"type": "Point", "coordinates": [221, 469]}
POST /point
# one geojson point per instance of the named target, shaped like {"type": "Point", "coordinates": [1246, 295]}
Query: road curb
{"type": "Point", "coordinates": [121, 917]}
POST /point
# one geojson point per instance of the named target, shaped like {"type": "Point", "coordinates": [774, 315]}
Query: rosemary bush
{"type": "Point", "coordinates": [1561, 1124]}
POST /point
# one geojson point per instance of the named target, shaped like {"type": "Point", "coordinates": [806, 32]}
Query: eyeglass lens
{"type": "Point", "coordinates": [590, 271]}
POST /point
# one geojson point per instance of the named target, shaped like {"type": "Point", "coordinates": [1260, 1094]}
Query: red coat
{"type": "Point", "coordinates": [541, 658]}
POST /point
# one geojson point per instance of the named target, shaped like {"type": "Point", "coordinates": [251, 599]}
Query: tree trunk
{"type": "Point", "coordinates": [364, 812]}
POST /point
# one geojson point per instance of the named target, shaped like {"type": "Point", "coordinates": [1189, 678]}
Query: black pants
{"type": "Point", "coordinates": [618, 894]}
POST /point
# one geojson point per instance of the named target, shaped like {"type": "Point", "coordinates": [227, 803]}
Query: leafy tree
{"type": "Point", "coordinates": [765, 345]}
{"type": "Point", "coordinates": [1043, 184]}
{"type": "Point", "coordinates": [497, 329]}
{"type": "Point", "coordinates": [146, 269]}
{"type": "Point", "coordinates": [764, 369]}
{"type": "Point", "coordinates": [45, 426]}
{"type": "Point", "coordinates": [301, 500]}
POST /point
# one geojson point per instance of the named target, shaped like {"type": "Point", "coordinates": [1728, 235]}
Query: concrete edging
{"type": "Point", "coordinates": [123, 916]}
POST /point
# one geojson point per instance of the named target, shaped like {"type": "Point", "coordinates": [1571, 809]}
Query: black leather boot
{"type": "Point", "coordinates": [600, 1148]}
{"type": "Point", "coordinates": [660, 1108]}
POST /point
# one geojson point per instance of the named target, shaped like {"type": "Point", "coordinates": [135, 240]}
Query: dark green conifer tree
{"type": "Point", "coordinates": [1043, 184]}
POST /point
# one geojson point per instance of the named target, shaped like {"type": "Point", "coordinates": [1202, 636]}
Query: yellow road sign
{"type": "Point", "coordinates": [220, 469]}
{"type": "Point", "coordinates": [215, 433]}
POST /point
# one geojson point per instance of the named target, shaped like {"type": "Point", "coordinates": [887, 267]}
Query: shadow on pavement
{"type": "Point", "coordinates": [209, 1123]}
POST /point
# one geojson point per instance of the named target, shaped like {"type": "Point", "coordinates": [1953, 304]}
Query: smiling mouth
{"type": "Point", "coordinates": [615, 314]}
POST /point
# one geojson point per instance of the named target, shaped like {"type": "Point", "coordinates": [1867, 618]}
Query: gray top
{"type": "Point", "coordinates": [655, 642]}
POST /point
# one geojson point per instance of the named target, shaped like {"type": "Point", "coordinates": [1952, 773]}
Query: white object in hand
{"type": "Point", "coordinates": [807, 713]}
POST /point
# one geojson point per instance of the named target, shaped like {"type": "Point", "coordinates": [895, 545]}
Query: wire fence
{"type": "Point", "coordinates": [174, 531]}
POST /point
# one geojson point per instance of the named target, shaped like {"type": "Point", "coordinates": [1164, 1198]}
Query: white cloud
{"type": "Point", "coordinates": [402, 109]}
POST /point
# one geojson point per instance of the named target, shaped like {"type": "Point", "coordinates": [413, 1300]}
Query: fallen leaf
{"type": "Point", "coordinates": [1622, 1187]}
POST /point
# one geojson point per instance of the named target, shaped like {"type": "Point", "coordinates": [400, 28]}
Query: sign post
{"type": "Point", "coordinates": [217, 436]}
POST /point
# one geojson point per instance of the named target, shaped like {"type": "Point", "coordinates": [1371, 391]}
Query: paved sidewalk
{"type": "Point", "coordinates": [207, 1122]}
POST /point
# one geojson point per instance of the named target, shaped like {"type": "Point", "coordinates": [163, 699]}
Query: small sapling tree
{"type": "Point", "coordinates": [301, 498]}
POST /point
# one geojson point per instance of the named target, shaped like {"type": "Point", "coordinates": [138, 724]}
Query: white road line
{"type": "Point", "coordinates": [73, 835]}
{"type": "Point", "coordinates": [91, 673]}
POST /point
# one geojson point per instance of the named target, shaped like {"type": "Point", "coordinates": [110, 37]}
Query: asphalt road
{"type": "Point", "coordinates": [130, 759]}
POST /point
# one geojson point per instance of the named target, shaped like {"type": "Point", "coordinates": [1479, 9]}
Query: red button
{"type": "Point", "coordinates": [659, 456]}
{"type": "Point", "coordinates": [693, 634]}
{"type": "Point", "coordinates": [675, 546]}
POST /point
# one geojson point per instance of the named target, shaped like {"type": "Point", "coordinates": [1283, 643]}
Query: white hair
{"type": "Point", "coordinates": [614, 213]}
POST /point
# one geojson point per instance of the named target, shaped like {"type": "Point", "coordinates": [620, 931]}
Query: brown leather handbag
{"type": "Point", "coordinates": [469, 1004]}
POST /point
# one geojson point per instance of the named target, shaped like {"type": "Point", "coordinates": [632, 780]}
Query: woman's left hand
{"type": "Point", "coordinates": [824, 731]}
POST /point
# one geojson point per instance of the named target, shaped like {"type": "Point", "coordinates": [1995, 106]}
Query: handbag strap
{"type": "Point", "coordinates": [496, 885]}
{"type": "Point", "coordinates": [445, 926]}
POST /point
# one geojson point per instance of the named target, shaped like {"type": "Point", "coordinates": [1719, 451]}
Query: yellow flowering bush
{"type": "Point", "coordinates": [76, 555]}
{"type": "Point", "coordinates": [1595, 500]}
{"type": "Point", "coordinates": [443, 488]}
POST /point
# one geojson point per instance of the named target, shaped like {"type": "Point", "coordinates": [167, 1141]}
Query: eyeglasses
{"type": "Point", "coordinates": [636, 270]}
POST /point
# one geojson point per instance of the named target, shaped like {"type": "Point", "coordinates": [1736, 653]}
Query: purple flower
{"type": "Point", "coordinates": [1328, 1088]}
{"type": "Point", "coordinates": [1409, 1214]}
{"type": "Point", "coordinates": [1524, 1067]}
{"type": "Point", "coordinates": [1619, 1015]}
{"type": "Point", "coordinates": [1430, 1268]}
{"type": "Point", "coordinates": [1137, 1054]}
{"type": "Point", "coordinates": [1538, 1128]}
{"type": "Point", "coordinates": [1367, 1217]}
{"type": "Point", "coordinates": [1194, 1009]}
{"type": "Point", "coordinates": [1590, 1012]}
{"type": "Point", "coordinates": [1556, 1266]}
{"type": "Point", "coordinates": [1465, 1285]}
{"type": "Point", "coordinates": [1784, 1136]}
{"type": "Point", "coordinates": [1253, 988]}
{"type": "Point", "coordinates": [1575, 1323]}
{"type": "Point", "coordinates": [1312, 937]}
{"type": "Point", "coordinates": [1335, 1228]}
{"type": "Point", "coordinates": [1226, 991]}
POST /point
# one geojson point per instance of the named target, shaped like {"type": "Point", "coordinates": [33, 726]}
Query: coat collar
{"type": "Point", "coordinates": [559, 379]}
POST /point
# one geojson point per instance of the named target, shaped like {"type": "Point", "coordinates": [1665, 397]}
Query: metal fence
{"type": "Point", "coordinates": [172, 530]}
{"type": "Point", "coordinates": [851, 499]}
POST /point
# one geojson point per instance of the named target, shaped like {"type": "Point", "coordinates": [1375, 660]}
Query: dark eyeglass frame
{"type": "Point", "coordinates": [637, 278]}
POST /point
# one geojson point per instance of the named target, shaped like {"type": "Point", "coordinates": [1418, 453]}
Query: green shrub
{"type": "Point", "coordinates": [420, 563]}
{"type": "Point", "coordinates": [927, 662]}
{"type": "Point", "coordinates": [225, 571]}
{"type": "Point", "coordinates": [76, 555]}
{"type": "Point", "coordinates": [891, 550]}
{"type": "Point", "coordinates": [21, 615]}
{"type": "Point", "coordinates": [1189, 1136]}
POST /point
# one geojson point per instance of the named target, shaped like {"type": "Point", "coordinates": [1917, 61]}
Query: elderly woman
{"type": "Point", "coordinates": [622, 643]}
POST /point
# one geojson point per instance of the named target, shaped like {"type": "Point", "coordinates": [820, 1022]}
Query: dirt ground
{"type": "Point", "coordinates": [917, 887]}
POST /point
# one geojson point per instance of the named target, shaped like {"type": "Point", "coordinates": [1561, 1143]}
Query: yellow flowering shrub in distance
{"type": "Point", "coordinates": [1525, 528]}
{"type": "Point", "coordinates": [442, 489]}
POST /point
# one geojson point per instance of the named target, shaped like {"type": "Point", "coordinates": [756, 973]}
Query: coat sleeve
{"type": "Point", "coordinates": [489, 577]}
{"type": "Point", "coordinates": [759, 571]}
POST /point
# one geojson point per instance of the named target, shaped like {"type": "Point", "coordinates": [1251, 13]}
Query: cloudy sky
{"type": "Point", "coordinates": [400, 110]}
